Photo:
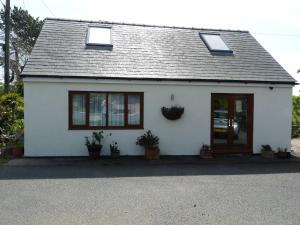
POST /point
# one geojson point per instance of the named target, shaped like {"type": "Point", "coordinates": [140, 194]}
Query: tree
{"type": "Point", "coordinates": [298, 71]}
{"type": "Point", "coordinates": [25, 30]}
{"type": "Point", "coordinates": [296, 110]}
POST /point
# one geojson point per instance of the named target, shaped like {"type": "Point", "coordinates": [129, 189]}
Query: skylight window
{"type": "Point", "coordinates": [215, 43]}
{"type": "Point", "coordinates": [99, 36]}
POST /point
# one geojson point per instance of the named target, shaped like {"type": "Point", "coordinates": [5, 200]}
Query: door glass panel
{"type": "Point", "coordinates": [240, 121]}
{"type": "Point", "coordinates": [220, 120]}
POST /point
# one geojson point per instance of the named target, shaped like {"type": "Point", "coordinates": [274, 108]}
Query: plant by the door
{"type": "Point", "coordinates": [94, 145]}
{"type": "Point", "coordinates": [150, 143]}
{"type": "Point", "coordinates": [282, 153]}
{"type": "Point", "coordinates": [16, 140]}
{"type": "Point", "coordinates": [266, 151]}
{"type": "Point", "coordinates": [205, 152]}
{"type": "Point", "coordinates": [114, 150]}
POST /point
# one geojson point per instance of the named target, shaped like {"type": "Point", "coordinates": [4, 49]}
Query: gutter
{"type": "Point", "coordinates": [161, 79]}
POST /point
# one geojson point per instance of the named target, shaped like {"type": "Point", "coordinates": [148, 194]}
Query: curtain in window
{"type": "Point", "coordinates": [134, 109]}
{"type": "Point", "coordinates": [116, 109]}
{"type": "Point", "coordinates": [78, 104]}
{"type": "Point", "coordinates": [97, 109]}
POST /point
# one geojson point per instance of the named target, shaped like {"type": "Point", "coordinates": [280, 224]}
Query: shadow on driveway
{"type": "Point", "coordinates": [64, 168]}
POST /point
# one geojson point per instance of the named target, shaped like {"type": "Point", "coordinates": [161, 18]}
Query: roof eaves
{"type": "Point", "coordinates": [161, 79]}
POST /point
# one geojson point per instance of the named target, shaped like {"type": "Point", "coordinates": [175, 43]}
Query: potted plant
{"type": "Point", "coordinates": [17, 139]}
{"type": "Point", "coordinates": [94, 145]}
{"type": "Point", "coordinates": [266, 151]}
{"type": "Point", "coordinates": [18, 149]}
{"type": "Point", "coordinates": [205, 152]}
{"type": "Point", "coordinates": [114, 150]}
{"type": "Point", "coordinates": [150, 143]}
{"type": "Point", "coordinates": [283, 153]}
{"type": "Point", "coordinates": [172, 113]}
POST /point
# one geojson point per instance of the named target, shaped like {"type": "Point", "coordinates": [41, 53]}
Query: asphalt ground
{"type": "Point", "coordinates": [60, 191]}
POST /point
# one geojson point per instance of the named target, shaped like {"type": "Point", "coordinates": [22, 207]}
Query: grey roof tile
{"type": "Point", "coordinates": [149, 52]}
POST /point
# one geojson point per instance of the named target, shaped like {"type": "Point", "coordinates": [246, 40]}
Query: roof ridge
{"type": "Point", "coordinates": [144, 25]}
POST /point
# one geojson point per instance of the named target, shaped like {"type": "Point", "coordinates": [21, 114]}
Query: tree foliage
{"type": "Point", "coordinates": [11, 109]}
{"type": "Point", "coordinates": [296, 110]}
{"type": "Point", "coordinates": [25, 30]}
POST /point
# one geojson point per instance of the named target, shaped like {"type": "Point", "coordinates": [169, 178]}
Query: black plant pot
{"type": "Point", "coordinates": [115, 154]}
{"type": "Point", "coordinates": [283, 155]}
{"type": "Point", "coordinates": [172, 113]}
{"type": "Point", "coordinates": [94, 151]}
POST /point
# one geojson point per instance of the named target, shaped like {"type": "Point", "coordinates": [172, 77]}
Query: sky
{"type": "Point", "coordinates": [274, 23]}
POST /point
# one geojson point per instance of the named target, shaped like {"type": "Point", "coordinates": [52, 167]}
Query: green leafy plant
{"type": "Point", "coordinates": [172, 113]}
{"type": "Point", "coordinates": [96, 139]}
{"type": "Point", "coordinates": [18, 126]}
{"type": "Point", "coordinates": [11, 116]}
{"type": "Point", "coordinates": [282, 150]}
{"type": "Point", "coordinates": [205, 147]}
{"type": "Point", "coordinates": [114, 147]}
{"type": "Point", "coordinates": [266, 148]}
{"type": "Point", "coordinates": [148, 140]}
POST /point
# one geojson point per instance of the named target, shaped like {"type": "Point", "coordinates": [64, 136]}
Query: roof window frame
{"type": "Point", "coordinates": [228, 52]}
{"type": "Point", "coordinates": [99, 44]}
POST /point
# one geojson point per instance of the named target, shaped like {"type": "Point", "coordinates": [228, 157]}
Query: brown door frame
{"type": "Point", "coordinates": [230, 147]}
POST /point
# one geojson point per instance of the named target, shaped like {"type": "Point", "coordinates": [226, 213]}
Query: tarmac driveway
{"type": "Point", "coordinates": [138, 194]}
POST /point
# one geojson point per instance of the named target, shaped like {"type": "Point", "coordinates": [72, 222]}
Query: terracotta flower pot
{"type": "Point", "coordinates": [206, 154]}
{"type": "Point", "coordinates": [283, 155]}
{"type": "Point", "coordinates": [94, 151]}
{"type": "Point", "coordinates": [17, 151]}
{"type": "Point", "coordinates": [152, 153]}
{"type": "Point", "coordinates": [267, 153]}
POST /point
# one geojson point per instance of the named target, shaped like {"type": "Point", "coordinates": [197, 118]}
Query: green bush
{"type": "Point", "coordinates": [296, 110]}
{"type": "Point", "coordinates": [296, 117]}
{"type": "Point", "coordinates": [11, 114]}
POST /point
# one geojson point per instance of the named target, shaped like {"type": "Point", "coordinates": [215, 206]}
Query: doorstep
{"type": "Point", "coordinates": [139, 160]}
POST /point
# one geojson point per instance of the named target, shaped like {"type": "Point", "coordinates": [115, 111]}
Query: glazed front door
{"type": "Point", "coordinates": [231, 123]}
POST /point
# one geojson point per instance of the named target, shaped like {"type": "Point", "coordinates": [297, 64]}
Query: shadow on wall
{"type": "Point", "coordinates": [62, 168]}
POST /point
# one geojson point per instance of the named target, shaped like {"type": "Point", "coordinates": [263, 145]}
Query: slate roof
{"type": "Point", "coordinates": [149, 52]}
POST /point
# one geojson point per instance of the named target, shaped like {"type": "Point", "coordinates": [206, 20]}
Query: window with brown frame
{"type": "Point", "coordinates": [106, 110]}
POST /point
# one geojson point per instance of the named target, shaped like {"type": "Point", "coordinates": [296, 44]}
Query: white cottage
{"type": "Point", "coordinates": [84, 76]}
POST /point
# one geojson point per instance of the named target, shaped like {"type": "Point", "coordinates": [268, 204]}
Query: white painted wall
{"type": "Point", "coordinates": [46, 116]}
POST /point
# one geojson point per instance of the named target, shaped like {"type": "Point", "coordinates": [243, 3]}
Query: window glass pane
{"type": "Point", "coordinates": [78, 109]}
{"type": "Point", "coordinates": [215, 42]}
{"type": "Point", "coordinates": [134, 109]}
{"type": "Point", "coordinates": [220, 120]}
{"type": "Point", "coordinates": [97, 109]}
{"type": "Point", "coordinates": [99, 35]}
{"type": "Point", "coordinates": [116, 109]}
